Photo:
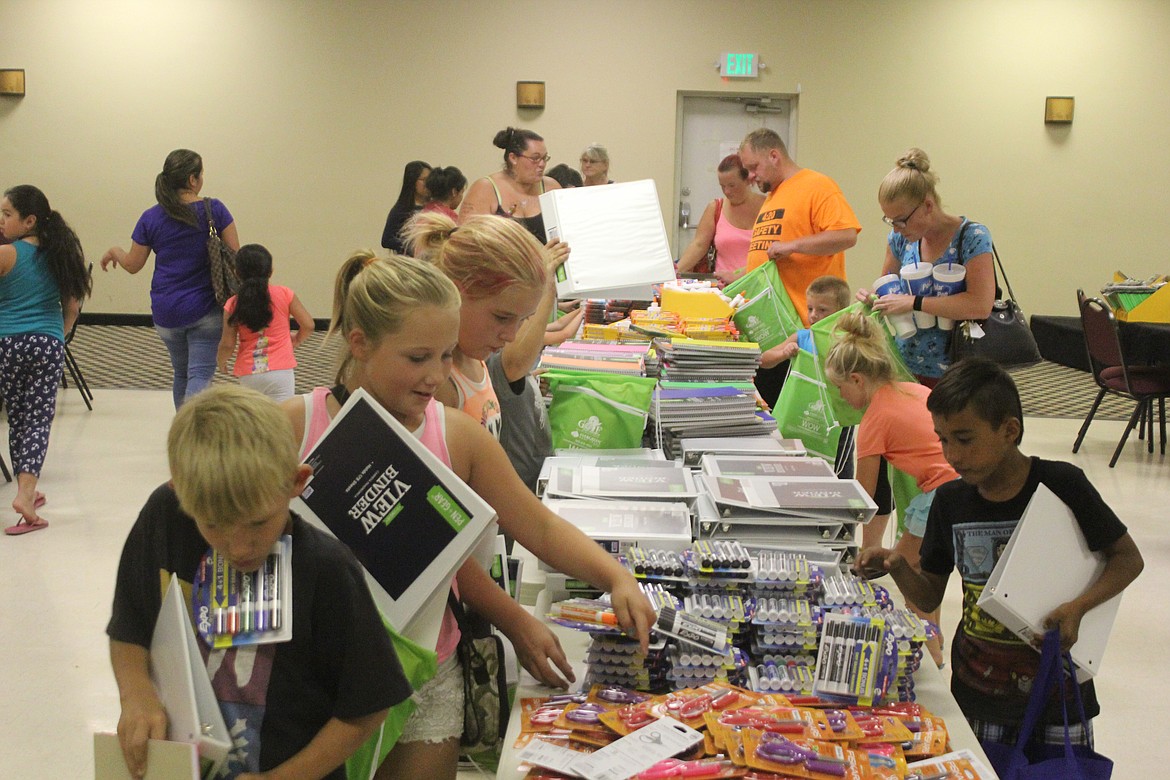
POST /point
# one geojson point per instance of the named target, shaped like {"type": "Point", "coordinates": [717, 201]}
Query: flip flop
{"type": "Point", "coordinates": [23, 526]}
{"type": "Point", "coordinates": [39, 501]}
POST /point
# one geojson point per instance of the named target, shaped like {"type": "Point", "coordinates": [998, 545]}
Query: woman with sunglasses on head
{"type": "Point", "coordinates": [924, 233]}
{"type": "Point", "coordinates": [514, 191]}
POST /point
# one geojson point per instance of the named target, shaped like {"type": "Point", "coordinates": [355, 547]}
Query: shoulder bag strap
{"type": "Point", "coordinates": [995, 254]}
{"type": "Point", "coordinates": [460, 616]}
{"type": "Point", "coordinates": [211, 231]}
{"type": "Point", "coordinates": [718, 213]}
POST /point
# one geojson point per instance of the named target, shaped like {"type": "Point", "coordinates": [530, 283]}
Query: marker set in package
{"type": "Point", "coordinates": [234, 607]}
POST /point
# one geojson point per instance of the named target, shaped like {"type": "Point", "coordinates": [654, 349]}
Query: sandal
{"type": "Point", "coordinates": [23, 526]}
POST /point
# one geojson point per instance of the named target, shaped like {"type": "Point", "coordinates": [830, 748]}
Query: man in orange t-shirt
{"type": "Point", "coordinates": [804, 227]}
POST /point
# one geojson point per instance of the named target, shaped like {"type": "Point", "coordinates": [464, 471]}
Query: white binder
{"type": "Point", "coordinates": [619, 243]}
{"type": "Point", "coordinates": [1046, 563]}
{"type": "Point", "coordinates": [180, 676]}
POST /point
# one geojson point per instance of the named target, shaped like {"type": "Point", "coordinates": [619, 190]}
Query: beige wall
{"type": "Point", "coordinates": [305, 112]}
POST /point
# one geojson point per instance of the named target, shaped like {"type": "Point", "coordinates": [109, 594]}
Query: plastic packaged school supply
{"type": "Point", "coordinates": [234, 607]}
{"type": "Point", "coordinates": [410, 521]}
{"type": "Point", "coordinates": [620, 248]}
{"type": "Point", "coordinates": [856, 660]}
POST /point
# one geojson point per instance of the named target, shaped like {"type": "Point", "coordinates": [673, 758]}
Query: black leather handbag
{"type": "Point", "coordinates": [1004, 336]}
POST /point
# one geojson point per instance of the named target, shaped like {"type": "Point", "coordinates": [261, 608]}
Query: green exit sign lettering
{"type": "Point", "coordinates": [740, 66]}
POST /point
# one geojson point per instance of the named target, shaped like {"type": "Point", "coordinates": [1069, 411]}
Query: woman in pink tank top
{"type": "Point", "coordinates": [727, 223]}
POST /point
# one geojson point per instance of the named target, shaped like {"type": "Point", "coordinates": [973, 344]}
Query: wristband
{"type": "Point", "coordinates": [917, 303]}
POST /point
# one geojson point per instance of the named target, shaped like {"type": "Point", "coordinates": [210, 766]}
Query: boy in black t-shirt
{"type": "Point", "coordinates": [977, 416]}
{"type": "Point", "coordinates": [303, 705]}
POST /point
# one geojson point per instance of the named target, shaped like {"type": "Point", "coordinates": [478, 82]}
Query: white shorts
{"type": "Point", "coordinates": [439, 716]}
{"type": "Point", "coordinates": [277, 385]}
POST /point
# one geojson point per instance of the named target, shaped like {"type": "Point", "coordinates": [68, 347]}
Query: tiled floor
{"type": "Point", "coordinates": [56, 585]}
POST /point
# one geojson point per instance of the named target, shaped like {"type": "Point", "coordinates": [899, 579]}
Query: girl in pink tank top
{"type": "Point", "coordinates": [400, 321]}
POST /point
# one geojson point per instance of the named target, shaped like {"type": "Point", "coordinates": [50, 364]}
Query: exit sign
{"type": "Point", "coordinates": [740, 66]}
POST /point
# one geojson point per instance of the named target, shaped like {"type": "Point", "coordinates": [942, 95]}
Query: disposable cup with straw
{"type": "Point", "coordinates": [919, 279]}
{"type": "Point", "coordinates": [891, 284]}
{"type": "Point", "coordinates": [949, 279]}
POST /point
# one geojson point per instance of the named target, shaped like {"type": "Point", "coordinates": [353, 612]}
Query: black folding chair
{"type": "Point", "coordinates": [72, 366]}
{"type": "Point", "coordinates": [1116, 375]}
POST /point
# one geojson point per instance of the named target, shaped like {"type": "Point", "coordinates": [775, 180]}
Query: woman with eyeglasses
{"type": "Point", "coordinates": [515, 191]}
{"type": "Point", "coordinates": [595, 165]}
{"type": "Point", "coordinates": [923, 233]}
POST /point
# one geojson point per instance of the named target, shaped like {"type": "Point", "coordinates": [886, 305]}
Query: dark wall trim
{"type": "Point", "coordinates": [144, 320]}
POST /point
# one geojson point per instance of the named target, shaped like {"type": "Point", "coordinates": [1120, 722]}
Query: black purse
{"type": "Point", "coordinates": [485, 681]}
{"type": "Point", "coordinates": [1004, 336]}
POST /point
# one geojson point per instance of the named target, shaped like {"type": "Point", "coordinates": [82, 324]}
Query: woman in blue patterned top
{"type": "Point", "coordinates": [924, 233]}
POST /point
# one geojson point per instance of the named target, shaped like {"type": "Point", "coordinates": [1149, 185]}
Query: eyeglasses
{"type": "Point", "coordinates": [536, 159]}
{"type": "Point", "coordinates": [901, 223]}
{"type": "Point", "coordinates": [587, 160]}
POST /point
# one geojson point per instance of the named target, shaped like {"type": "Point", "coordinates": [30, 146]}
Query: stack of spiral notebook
{"type": "Point", "coordinates": [690, 360]}
{"type": "Point", "coordinates": [694, 409]}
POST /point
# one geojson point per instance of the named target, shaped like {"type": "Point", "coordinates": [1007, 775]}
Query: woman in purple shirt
{"type": "Point", "coordinates": [182, 301]}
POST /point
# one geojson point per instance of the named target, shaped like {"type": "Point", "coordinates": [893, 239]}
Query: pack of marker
{"type": "Point", "coordinates": [700, 632]}
{"type": "Point", "coordinates": [857, 659]}
{"type": "Point", "coordinates": [234, 607]}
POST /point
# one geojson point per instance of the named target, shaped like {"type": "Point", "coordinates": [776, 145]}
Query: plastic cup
{"type": "Point", "coordinates": [891, 284]}
{"type": "Point", "coordinates": [949, 279]}
{"type": "Point", "coordinates": [919, 279]}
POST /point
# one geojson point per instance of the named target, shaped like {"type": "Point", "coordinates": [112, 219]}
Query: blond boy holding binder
{"type": "Point", "coordinates": [297, 708]}
{"type": "Point", "coordinates": [978, 418]}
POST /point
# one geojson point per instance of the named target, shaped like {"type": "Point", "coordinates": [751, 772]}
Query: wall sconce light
{"type": "Point", "coordinates": [12, 82]}
{"type": "Point", "coordinates": [529, 94]}
{"type": "Point", "coordinates": [1058, 110]}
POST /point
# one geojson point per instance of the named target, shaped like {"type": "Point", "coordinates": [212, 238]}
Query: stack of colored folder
{"type": "Point", "coordinates": [597, 356]}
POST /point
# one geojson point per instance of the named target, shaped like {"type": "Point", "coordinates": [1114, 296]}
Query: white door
{"type": "Point", "coordinates": [710, 127]}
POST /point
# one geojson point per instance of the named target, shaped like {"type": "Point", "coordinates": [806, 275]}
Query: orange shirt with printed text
{"type": "Point", "coordinates": [804, 204]}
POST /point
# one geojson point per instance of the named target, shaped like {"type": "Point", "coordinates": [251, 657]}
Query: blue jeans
{"type": "Point", "coordinates": [192, 349]}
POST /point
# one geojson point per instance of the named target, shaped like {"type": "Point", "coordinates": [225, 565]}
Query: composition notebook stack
{"type": "Point", "coordinates": [698, 360]}
{"type": "Point", "coordinates": [631, 359]}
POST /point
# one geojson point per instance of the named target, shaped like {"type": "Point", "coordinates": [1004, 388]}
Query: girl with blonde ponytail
{"type": "Point", "coordinates": [895, 425]}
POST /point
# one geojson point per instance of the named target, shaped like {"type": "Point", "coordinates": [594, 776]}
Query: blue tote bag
{"type": "Point", "coordinates": [1025, 761]}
